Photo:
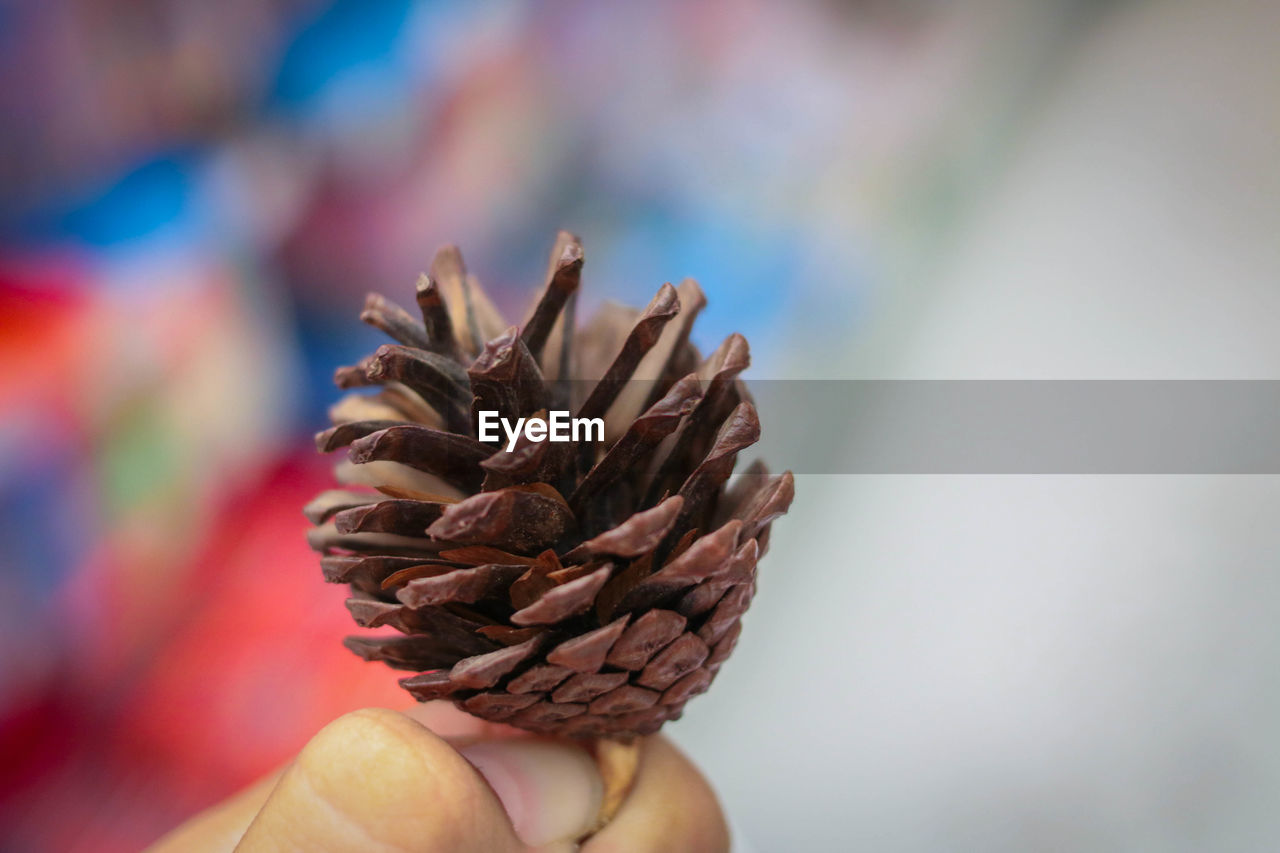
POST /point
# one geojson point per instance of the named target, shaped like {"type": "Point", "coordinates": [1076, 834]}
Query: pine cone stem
{"type": "Point", "coordinates": [618, 762]}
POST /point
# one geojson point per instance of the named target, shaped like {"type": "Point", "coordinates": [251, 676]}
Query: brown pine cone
{"type": "Point", "coordinates": [583, 589]}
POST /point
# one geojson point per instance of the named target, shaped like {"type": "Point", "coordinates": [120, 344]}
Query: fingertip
{"type": "Point", "coordinates": [551, 790]}
{"type": "Point", "coordinates": [446, 721]}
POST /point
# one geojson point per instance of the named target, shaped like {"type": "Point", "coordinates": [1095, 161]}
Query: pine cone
{"type": "Point", "coordinates": [583, 589]}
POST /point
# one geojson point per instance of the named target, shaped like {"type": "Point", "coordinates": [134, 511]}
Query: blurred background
{"type": "Point", "coordinates": [195, 196]}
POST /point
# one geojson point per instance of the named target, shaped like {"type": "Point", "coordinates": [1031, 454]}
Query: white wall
{"type": "Point", "coordinates": [1049, 663]}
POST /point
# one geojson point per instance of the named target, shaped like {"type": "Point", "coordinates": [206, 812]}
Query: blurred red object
{"type": "Point", "coordinates": [250, 668]}
{"type": "Point", "coordinates": [44, 311]}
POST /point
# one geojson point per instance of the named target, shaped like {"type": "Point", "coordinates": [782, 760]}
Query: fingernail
{"type": "Point", "coordinates": [550, 791]}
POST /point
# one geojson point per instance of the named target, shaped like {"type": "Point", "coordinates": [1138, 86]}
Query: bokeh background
{"type": "Point", "coordinates": [195, 196]}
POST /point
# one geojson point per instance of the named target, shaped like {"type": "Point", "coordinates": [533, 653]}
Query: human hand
{"type": "Point", "coordinates": [378, 780]}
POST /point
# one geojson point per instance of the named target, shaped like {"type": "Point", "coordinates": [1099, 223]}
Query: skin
{"type": "Point", "coordinates": [377, 780]}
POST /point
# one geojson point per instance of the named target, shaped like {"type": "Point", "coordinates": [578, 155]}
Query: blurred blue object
{"type": "Point", "coordinates": [154, 196]}
{"type": "Point", "coordinates": [743, 269]}
{"type": "Point", "coordinates": [349, 34]}
{"type": "Point", "coordinates": [327, 341]}
{"type": "Point", "coordinates": [46, 516]}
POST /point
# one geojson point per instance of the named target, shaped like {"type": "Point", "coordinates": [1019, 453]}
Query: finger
{"type": "Point", "coordinates": [218, 829]}
{"type": "Point", "coordinates": [551, 790]}
{"type": "Point", "coordinates": [671, 808]}
{"type": "Point", "coordinates": [374, 780]}
{"type": "Point", "coordinates": [447, 721]}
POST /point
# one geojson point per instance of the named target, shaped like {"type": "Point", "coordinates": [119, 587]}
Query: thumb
{"type": "Point", "coordinates": [376, 780]}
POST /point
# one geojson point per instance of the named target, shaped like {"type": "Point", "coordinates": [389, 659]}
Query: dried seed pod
{"type": "Point", "coordinates": [587, 590]}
